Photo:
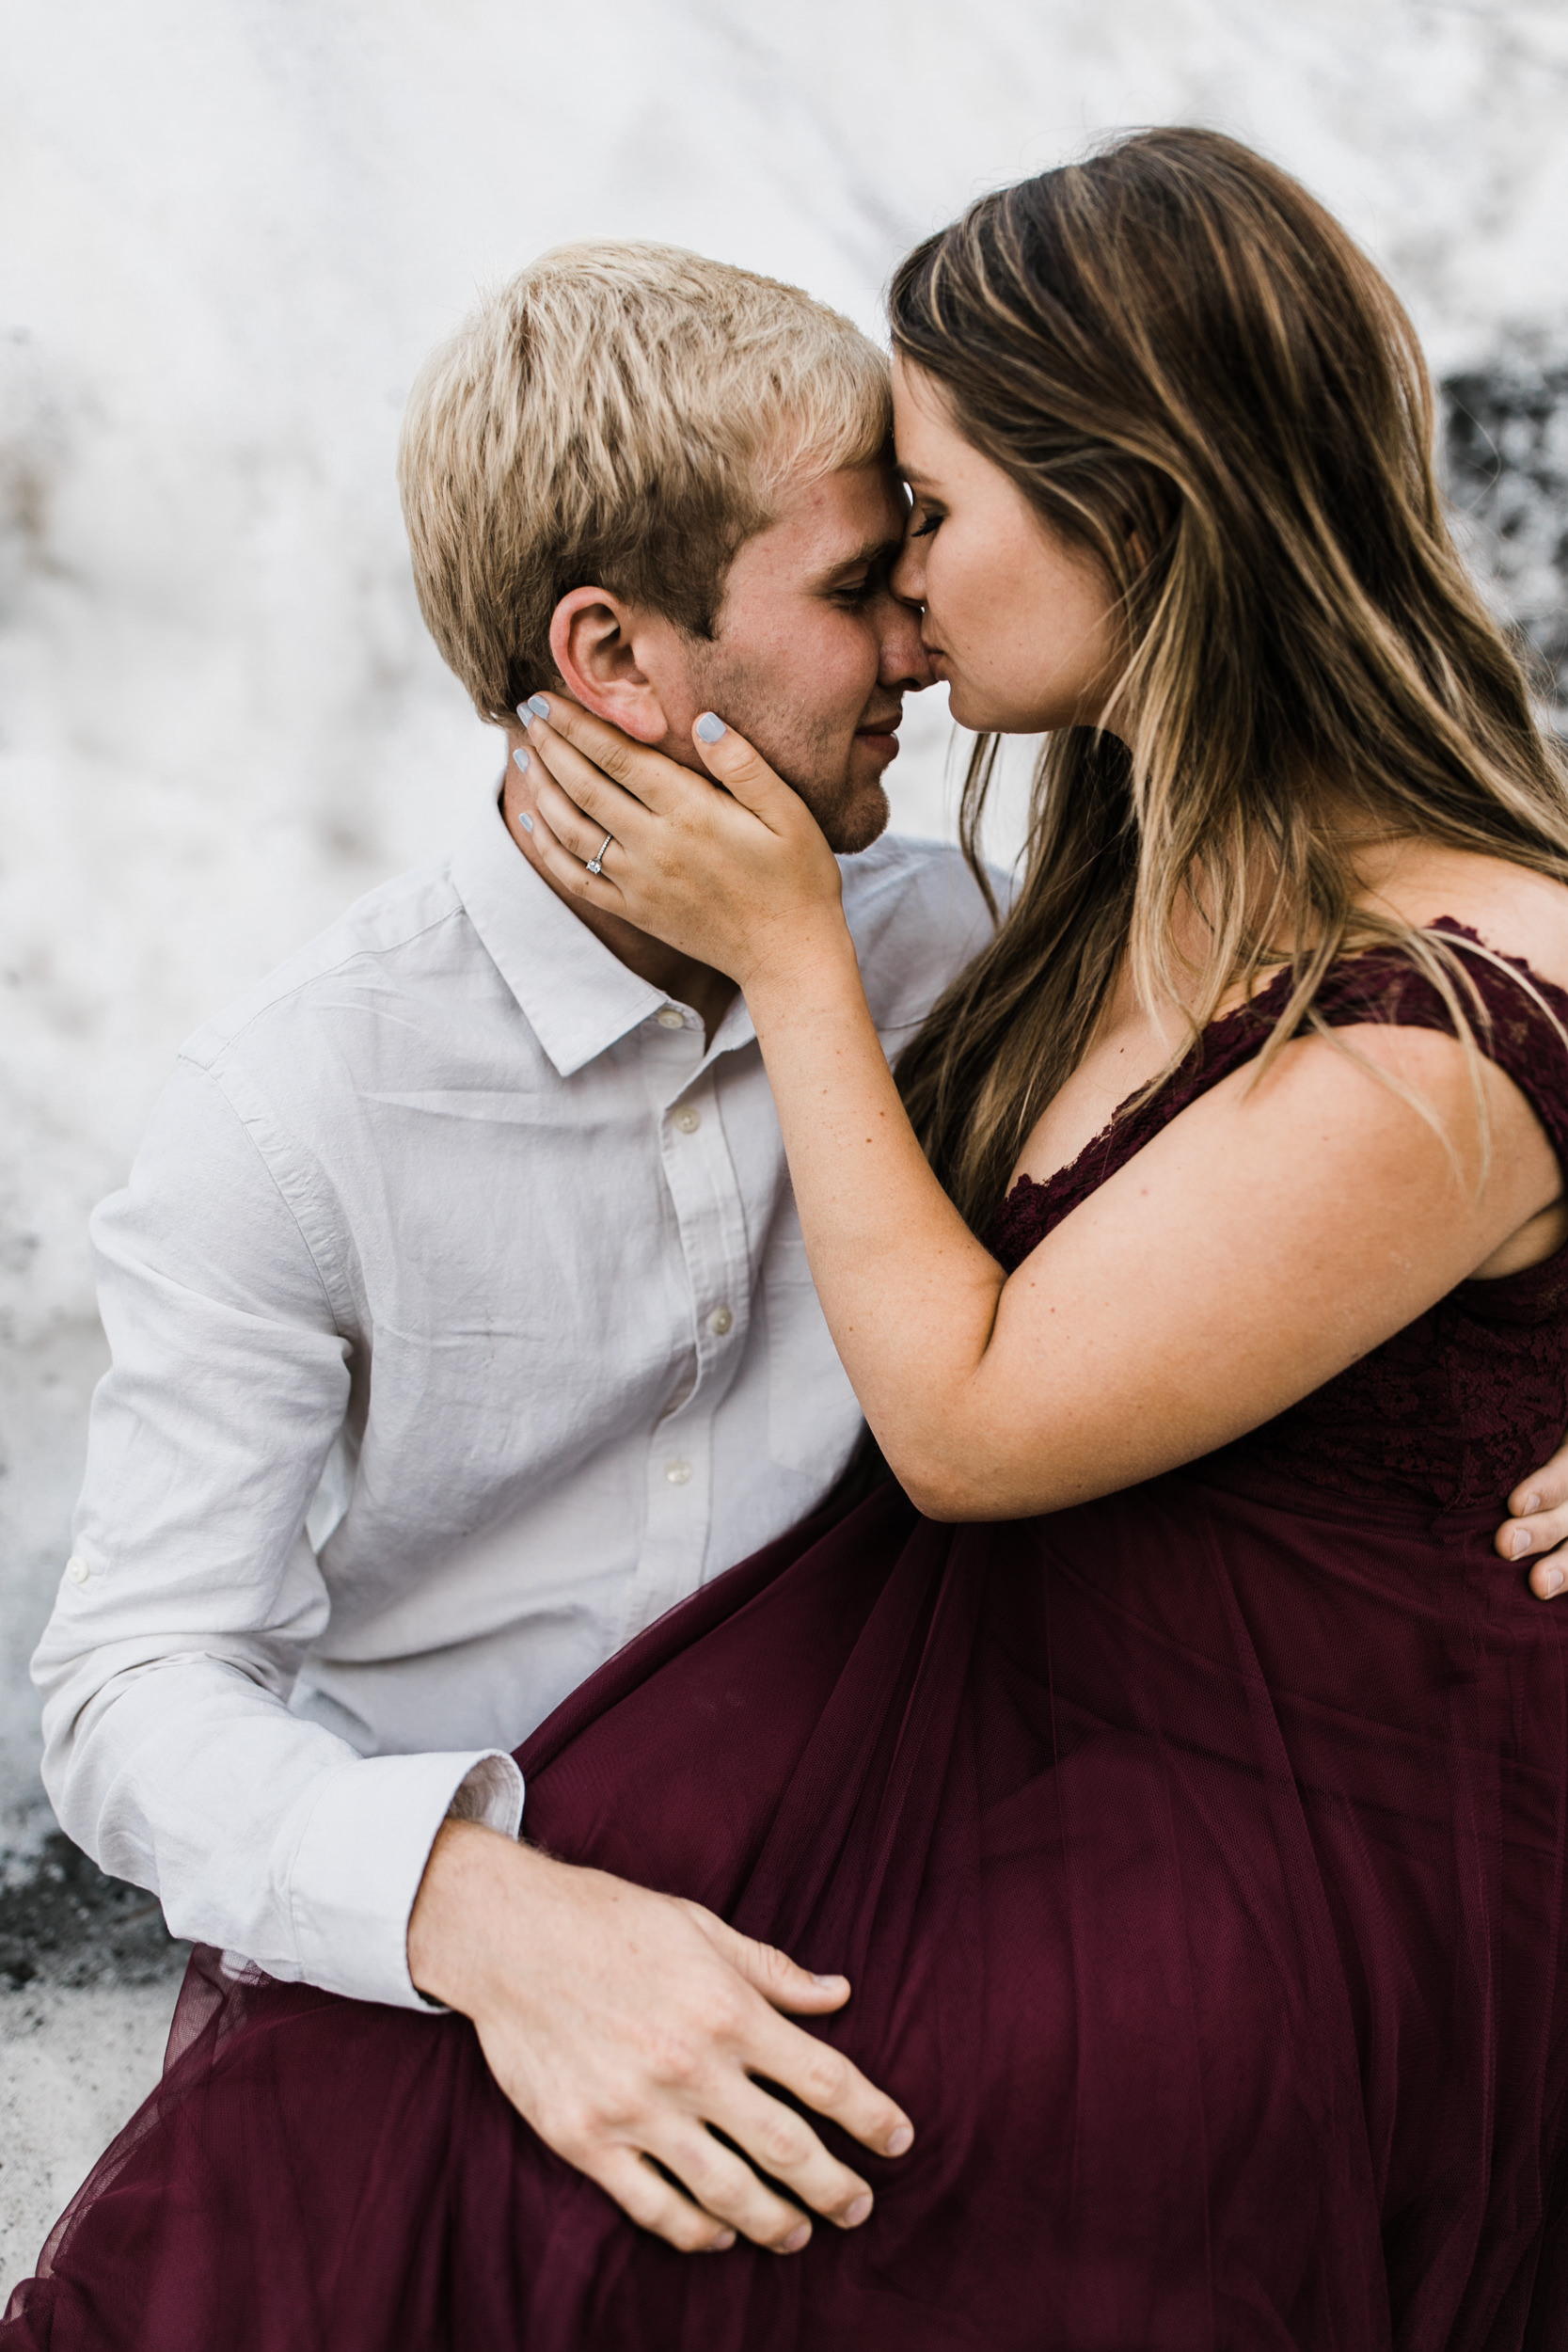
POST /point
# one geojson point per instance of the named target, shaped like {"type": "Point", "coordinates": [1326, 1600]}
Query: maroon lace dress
{"type": "Point", "coordinates": [1198, 1855]}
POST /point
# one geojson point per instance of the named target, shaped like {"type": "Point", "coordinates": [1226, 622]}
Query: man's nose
{"type": "Point", "coordinates": [905, 661]}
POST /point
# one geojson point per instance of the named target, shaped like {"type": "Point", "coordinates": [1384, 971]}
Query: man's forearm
{"type": "Point", "coordinates": [258, 1832]}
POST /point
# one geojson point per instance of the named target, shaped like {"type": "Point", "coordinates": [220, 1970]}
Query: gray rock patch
{"type": "Point", "coordinates": [1505, 442]}
{"type": "Point", "coordinates": [63, 1923]}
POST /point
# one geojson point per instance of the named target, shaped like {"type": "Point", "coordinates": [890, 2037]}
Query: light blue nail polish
{"type": "Point", "coordinates": [522, 712]}
{"type": "Point", "coordinates": [519, 761]}
{"type": "Point", "coordinates": [525, 821]}
{"type": "Point", "coordinates": [539, 706]}
{"type": "Point", "coordinates": [710, 728]}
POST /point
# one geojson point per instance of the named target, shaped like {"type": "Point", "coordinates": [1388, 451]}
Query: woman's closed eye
{"type": "Point", "coordinates": [924, 521]}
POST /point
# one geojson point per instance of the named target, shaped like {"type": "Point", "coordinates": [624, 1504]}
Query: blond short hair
{"type": "Point", "coordinates": [623, 415]}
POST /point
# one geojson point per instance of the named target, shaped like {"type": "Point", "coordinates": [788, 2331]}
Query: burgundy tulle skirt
{"type": "Point", "coordinates": [1197, 1857]}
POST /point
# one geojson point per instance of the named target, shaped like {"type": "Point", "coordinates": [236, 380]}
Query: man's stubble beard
{"type": "Point", "coordinates": [861, 820]}
{"type": "Point", "coordinates": [851, 816]}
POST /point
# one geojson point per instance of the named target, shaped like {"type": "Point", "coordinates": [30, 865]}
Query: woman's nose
{"type": "Point", "coordinates": [904, 656]}
{"type": "Point", "coordinates": [907, 579]}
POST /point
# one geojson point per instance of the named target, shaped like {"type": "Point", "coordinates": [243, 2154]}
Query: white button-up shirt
{"type": "Point", "coordinates": [461, 1325]}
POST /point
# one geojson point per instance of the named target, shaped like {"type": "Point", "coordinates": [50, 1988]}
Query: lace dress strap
{"type": "Point", "coordinates": [1518, 1030]}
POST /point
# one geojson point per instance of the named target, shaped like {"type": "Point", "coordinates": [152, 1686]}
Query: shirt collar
{"type": "Point", "coordinates": [579, 1000]}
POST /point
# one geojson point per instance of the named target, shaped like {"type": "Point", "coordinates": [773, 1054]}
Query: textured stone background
{"type": "Point", "coordinates": [1506, 440]}
{"type": "Point", "coordinates": [230, 230]}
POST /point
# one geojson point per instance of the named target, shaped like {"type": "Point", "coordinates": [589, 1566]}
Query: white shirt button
{"type": "Point", "coordinates": [670, 1018]}
{"type": "Point", "coordinates": [677, 1472]}
{"type": "Point", "coordinates": [78, 1570]}
{"type": "Point", "coordinates": [688, 1119]}
{"type": "Point", "coordinates": [721, 1323]}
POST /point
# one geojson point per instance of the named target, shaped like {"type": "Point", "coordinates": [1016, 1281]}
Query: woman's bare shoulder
{"type": "Point", "coordinates": [1514, 911]}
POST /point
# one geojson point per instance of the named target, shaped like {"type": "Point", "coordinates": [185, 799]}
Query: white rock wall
{"type": "Point", "coordinates": [229, 230]}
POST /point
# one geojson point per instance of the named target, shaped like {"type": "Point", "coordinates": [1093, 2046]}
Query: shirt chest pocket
{"type": "Point", "coordinates": [813, 1415]}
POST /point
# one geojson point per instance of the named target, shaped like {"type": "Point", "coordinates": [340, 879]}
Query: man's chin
{"type": "Point", "coordinates": [861, 820]}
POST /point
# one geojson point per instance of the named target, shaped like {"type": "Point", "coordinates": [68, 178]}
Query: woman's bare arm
{"type": "Point", "coordinates": [1269, 1235]}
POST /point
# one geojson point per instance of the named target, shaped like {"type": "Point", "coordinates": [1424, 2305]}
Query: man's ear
{"type": "Point", "coordinates": [592, 645]}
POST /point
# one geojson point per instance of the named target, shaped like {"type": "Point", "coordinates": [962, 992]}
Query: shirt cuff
{"type": "Point", "coordinates": [490, 1792]}
{"type": "Point", "coordinates": [357, 1866]}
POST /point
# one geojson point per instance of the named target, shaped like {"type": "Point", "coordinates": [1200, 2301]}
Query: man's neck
{"type": "Point", "coordinates": [682, 978]}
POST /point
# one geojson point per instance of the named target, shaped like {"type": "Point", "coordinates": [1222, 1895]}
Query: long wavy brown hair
{"type": "Point", "coordinates": [1187, 365]}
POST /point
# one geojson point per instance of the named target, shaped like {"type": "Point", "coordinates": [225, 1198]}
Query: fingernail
{"type": "Point", "coordinates": [1521, 1542]}
{"type": "Point", "coordinates": [710, 728]}
{"type": "Point", "coordinates": [1553, 1581]}
{"type": "Point", "coordinates": [795, 2239]}
{"type": "Point", "coordinates": [899, 2141]}
{"type": "Point", "coordinates": [721, 2243]}
{"type": "Point", "coordinates": [539, 706]}
{"type": "Point", "coordinates": [854, 2214]}
{"type": "Point", "coordinates": [525, 821]}
{"type": "Point", "coordinates": [1532, 1502]}
{"type": "Point", "coordinates": [519, 761]}
{"type": "Point", "coordinates": [827, 1982]}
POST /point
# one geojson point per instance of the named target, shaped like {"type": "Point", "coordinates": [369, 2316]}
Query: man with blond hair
{"type": "Point", "coordinates": [460, 1314]}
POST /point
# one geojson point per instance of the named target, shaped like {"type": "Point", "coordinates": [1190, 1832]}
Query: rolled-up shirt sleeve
{"type": "Point", "coordinates": [194, 1593]}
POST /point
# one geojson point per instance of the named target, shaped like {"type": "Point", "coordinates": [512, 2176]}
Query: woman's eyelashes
{"type": "Point", "coordinates": [923, 520]}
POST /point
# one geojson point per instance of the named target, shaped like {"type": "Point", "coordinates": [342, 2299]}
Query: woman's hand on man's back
{"type": "Point", "coordinates": [1537, 1526]}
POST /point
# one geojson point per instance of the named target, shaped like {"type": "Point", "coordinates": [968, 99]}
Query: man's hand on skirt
{"type": "Point", "coordinates": [627, 2027]}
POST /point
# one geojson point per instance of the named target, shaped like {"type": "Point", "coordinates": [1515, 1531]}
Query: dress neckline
{"type": "Point", "coordinates": [1060, 1179]}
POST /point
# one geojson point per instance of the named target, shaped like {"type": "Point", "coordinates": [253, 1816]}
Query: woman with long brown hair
{"type": "Point", "coordinates": [1175, 1770]}
{"type": "Point", "coordinates": [1249, 1130]}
